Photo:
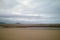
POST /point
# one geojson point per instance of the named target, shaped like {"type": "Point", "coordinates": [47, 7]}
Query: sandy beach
{"type": "Point", "coordinates": [23, 34]}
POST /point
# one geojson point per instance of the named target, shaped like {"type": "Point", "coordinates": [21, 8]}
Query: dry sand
{"type": "Point", "coordinates": [23, 34]}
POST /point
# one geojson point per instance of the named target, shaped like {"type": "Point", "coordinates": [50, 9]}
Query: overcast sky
{"type": "Point", "coordinates": [30, 11]}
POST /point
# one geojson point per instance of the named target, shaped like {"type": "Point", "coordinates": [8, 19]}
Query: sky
{"type": "Point", "coordinates": [30, 11]}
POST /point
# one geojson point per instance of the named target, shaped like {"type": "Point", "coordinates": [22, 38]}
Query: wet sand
{"type": "Point", "coordinates": [23, 34]}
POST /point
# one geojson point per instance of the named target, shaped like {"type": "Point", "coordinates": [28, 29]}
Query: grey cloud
{"type": "Point", "coordinates": [49, 7]}
{"type": "Point", "coordinates": [6, 4]}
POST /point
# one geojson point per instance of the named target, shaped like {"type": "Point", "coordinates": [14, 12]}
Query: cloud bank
{"type": "Point", "coordinates": [30, 11]}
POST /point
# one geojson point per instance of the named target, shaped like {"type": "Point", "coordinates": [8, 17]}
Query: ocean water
{"type": "Point", "coordinates": [36, 28]}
